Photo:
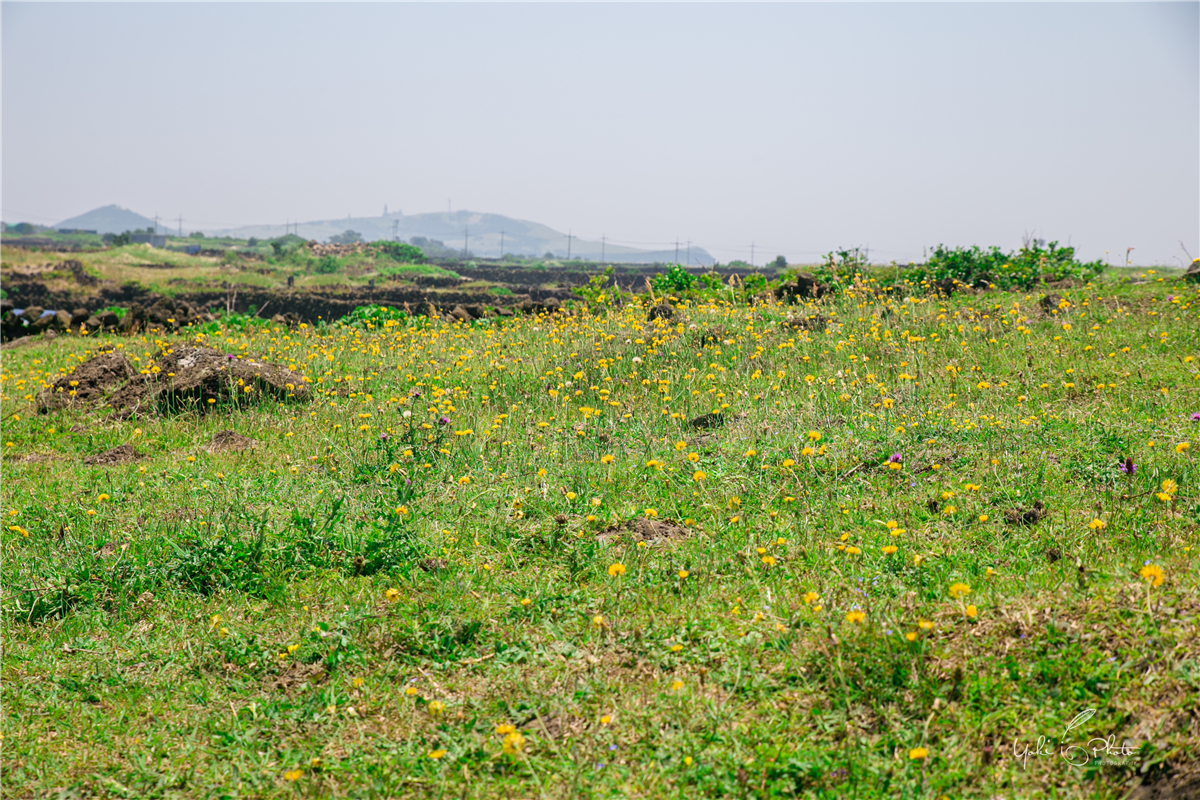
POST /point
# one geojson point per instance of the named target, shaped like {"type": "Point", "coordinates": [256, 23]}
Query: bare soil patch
{"type": "Point", "coordinates": [198, 377]}
{"type": "Point", "coordinates": [125, 454]}
{"type": "Point", "coordinates": [230, 442]}
{"type": "Point", "coordinates": [650, 531]}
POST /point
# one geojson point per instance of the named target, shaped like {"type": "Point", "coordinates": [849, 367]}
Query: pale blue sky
{"type": "Point", "coordinates": [800, 127]}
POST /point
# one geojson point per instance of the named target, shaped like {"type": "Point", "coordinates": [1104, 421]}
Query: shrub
{"type": "Point", "coordinates": [400, 251]}
{"type": "Point", "coordinates": [675, 279]}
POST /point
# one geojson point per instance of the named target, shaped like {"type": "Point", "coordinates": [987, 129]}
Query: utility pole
{"type": "Point", "coordinates": [689, 252]}
{"type": "Point", "coordinates": [181, 226]}
{"type": "Point", "coordinates": [568, 245]}
{"type": "Point", "coordinates": [155, 224]}
{"type": "Point", "coordinates": [501, 245]}
{"type": "Point", "coordinates": [752, 254]}
{"type": "Point", "coordinates": [395, 230]}
{"type": "Point", "coordinates": [676, 249]}
{"type": "Point", "coordinates": [602, 238]}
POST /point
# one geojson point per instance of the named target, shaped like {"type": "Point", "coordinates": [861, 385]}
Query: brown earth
{"type": "Point", "coordinates": [228, 441]}
{"type": "Point", "coordinates": [125, 454]}
{"type": "Point", "coordinates": [187, 377]}
{"type": "Point", "coordinates": [650, 531]}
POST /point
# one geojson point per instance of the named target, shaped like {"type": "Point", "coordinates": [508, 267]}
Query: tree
{"type": "Point", "coordinates": [22, 228]}
{"type": "Point", "coordinates": [346, 237]}
{"type": "Point", "coordinates": [779, 263]}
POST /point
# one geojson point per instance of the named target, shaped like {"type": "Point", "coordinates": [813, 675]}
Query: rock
{"type": "Point", "coordinates": [108, 319]}
{"type": "Point", "coordinates": [32, 314]}
{"type": "Point", "coordinates": [707, 421]}
{"type": "Point", "coordinates": [460, 313]}
{"type": "Point", "coordinates": [79, 316]}
{"type": "Point", "coordinates": [62, 320]}
{"type": "Point", "coordinates": [475, 310]}
{"type": "Point", "coordinates": [801, 285]}
{"type": "Point", "coordinates": [1193, 272]}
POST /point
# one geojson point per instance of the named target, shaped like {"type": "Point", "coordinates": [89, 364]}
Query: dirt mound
{"type": "Point", "coordinates": [650, 531]}
{"type": "Point", "coordinates": [125, 454]}
{"type": "Point", "coordinates": [198, 377]}
{"type": "Point", "coordinates": [228, 441]}
{"type": "Point", "coordinates": [89, 383]}
{"type": "Point", "coordinates": [1026, 516]}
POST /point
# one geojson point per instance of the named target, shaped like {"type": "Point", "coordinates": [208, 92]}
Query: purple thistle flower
{"type": "Point", "coordinates": [1128, 467]}
{"type": "Point", "coordinates": [1195, 417]}
{"type": "Point", "coordinates": [444, 421]}
{"type": "Point", "coordinates": [895, 458]}
{"type": "Point", "coordinates": [383, 437]}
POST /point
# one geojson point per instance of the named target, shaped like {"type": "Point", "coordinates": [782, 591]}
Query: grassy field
{"type": "Point", "coordinates": [500, 560]}
{"type": "Point", "coordinates": [168, 272]}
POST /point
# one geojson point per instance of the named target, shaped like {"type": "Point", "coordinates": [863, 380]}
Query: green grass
{"type": "Point", "coordinates": [198, 625]}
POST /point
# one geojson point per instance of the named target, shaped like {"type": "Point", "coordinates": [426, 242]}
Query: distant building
{"type": "Point", "coordinates": [75, 230]}
{"type": "Point", "coordinates": [152, 239]}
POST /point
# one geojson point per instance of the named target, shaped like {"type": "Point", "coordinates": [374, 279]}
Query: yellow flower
{"type": "Point", "coordinates": [769, 561]}
{"type": "Point", "coordinates": [911, 636]}
{"type": "Point", "coordinates": [503, 730]}
{"type": "Point", "coordinates": [852, 550]}
{"type": "Point", "coordinates": [683, 573]}
{"type": "Point", "coordinates": [787, 462]}
{"type": "Point", "coordinates": [605, 719]}
{"type": "Point", "coordinates": [814, 436]}
{"type": "Point", "coordinates": [616, 569]}
{"type": "Point", "coordinates": [571, 495]}
{"type": "Point", "coordinates": [698, 475]}
{"type": "Point", "coordinates": [959, 589]}
{"type": "Point", "coordinates": [526, 601]}
{"type": "Point", "coordinates": [811, 597]}
{"type": "Point", "coordinates": [1182, 446]}
{"type": "Point", "coordinates": [650, 512]}
{"type": "Point", "coordinates": [681, 445]}
{"type": "Point", "coordinates": [436, 708]}
{"type": "Point", "coordinates": [891, 524]}
{"type": "Point", "coordinates": [971, 611]}
{"type": "Point", "coordinates": [1169, 486]}
{"type": "Point", "coordinates": [512, 743]}
{"type": "Point", "coordinates": [918, 754]}
{"type": "Point", "coordinates": [392, 595]}
{"type": "Point", "coordinates": [856, 617]}
{"type": "Point", "coordinates": [598, 621]}
{"type": "Point", "coordinates": [1096, 524]}
{"type": "Point", "coordinates": [436, 754]}
{"type": "Point", "coordinates": [411, 690]}
{"type": "Point", "coordinates": [1163, 496]}
{"type": "Point", "coordinates": [1152, 573]}
{"type": "Point", "coordinates": [983, 517]}
{"type": "Point", "coordinates": [891, 548]}
{"type": "Point", "coordinates": [293, 774]}
{"type": "Point", "coordinates": [676, 686]}
{"type": "Point", "coordinates": [606, 459]}
{"type": "Point", "coordinates": [924, 624]}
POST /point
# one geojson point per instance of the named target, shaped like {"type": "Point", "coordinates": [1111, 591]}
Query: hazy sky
{"type": "Point", "coordinates": [799, 127]}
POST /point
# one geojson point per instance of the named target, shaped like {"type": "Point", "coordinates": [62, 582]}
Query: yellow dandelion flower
{"type": "Point", "coordinates": [959, 590]}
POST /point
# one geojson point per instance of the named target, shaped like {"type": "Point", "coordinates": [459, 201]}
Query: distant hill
{"type": "Point", "coordinates": [109, 219]}
{"type": "Point", "coordinates": [482, 234]}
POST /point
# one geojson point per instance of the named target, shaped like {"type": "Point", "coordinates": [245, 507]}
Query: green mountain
{"type": "Point", "coordinates": [109, 219]}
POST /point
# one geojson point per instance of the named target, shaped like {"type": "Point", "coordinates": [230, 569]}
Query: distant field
{"type": "Point", "coordinates": [872, 546]}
